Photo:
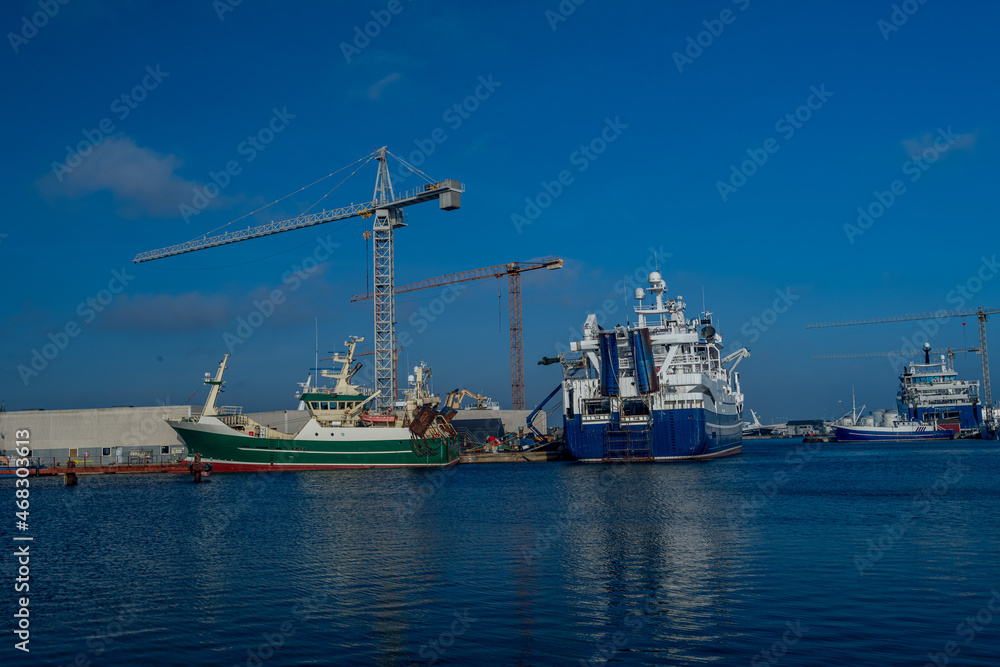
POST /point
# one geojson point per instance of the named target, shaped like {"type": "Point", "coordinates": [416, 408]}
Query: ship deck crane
{"type": "Point", "coordinates": [387, 209]}
{"type": "Point", "coordinates": [982, 315]}
{"type": "Point", "coordinates": [513, 271]}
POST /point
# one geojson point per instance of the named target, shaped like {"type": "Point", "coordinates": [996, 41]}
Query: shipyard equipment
{"type": "Point", "coordinates": [454, 400]}
{"type": "Point", "coordinates": [530, 421]}
{"type": "Point", "coordinates": [387, 209]}
{"type": "Point", "coordinates": [982, 315]}
{"type": "Point", "coordinates": [513, 271]}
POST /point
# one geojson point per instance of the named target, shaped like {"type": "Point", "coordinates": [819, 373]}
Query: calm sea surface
{"type": "Point", "coordinates": [834, 555]}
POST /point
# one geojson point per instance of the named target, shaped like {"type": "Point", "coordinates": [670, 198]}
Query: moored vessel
{"type": "Point", "coordinates": [658, 390]}
{"type": "Point", "coordinates": [932, 391]}
{"type": "Point", "coordinates": [887, 426]}
{"type": "Point", "coordinates": [898, 430]}
{"type": "Point", "coordinates": [341, 431]}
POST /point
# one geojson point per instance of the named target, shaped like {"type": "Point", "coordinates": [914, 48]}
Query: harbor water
{"type": "Point", "coordinates": [790, 554]}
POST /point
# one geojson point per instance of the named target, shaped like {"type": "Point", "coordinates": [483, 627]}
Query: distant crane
{"type": "Point", "coordinates": [388, 211]}
{"type": "Point", "coordinates": [900, 353]}
{"type": "Point", "coordinates": [513, 271]}
{"type": "Point", "coordinates": [454, 399]}
{"type": "Point", "coordinates": [981, 313]}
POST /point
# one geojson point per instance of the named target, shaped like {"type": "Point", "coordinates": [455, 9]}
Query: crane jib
{"type": "Point", "coordinates": [937, 314]}
{"type": "Point", "coordinates": [497, 271]}
{"type": "Point", "coordinates": [447, 192]}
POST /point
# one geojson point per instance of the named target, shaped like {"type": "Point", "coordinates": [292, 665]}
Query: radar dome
{"type": "Point", "coordinates": [654, 277]}
{"type": "Point", "coordinates": [640, 293]}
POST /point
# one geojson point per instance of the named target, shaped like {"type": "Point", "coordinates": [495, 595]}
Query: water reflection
{"type": "Point", "coordinates": [522, 564]}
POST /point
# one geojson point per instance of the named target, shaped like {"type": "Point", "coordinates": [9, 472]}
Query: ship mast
{"type": "Point", "coordinates": [213, 393]}
{"type": "Point", "coordinates": [854, 408]}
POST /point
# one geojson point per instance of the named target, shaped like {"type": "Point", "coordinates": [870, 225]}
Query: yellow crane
{"type": "Point", "coordinates": [454, 399]}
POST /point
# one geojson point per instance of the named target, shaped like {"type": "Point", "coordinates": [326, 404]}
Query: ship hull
{"type": "Point", "coordinates": [885, 434]}
{"type": "Point", "coordinates": [968, 415]}
{"type": "Point", "coordinates": [327, 449]}
{"type": "Point", "coordinates": [671, 435]}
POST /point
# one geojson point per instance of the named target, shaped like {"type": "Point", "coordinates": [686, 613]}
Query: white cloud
{"type": "Point", "coordinates": [141, 180]}
{"type": "Point", "coordinates": [375, 91]}
{"type": "Point", "coordinates": [916, 147]}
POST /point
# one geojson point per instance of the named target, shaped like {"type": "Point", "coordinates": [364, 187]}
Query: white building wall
{"type": "Point", "coordinates": [56, 433]}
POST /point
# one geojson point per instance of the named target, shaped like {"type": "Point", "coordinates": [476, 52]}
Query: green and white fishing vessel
{"type": "Point", "coordinates": [341, 432]}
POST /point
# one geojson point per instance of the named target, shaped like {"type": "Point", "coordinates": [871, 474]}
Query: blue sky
{"type": "Point", "coordinates": [286, 93]}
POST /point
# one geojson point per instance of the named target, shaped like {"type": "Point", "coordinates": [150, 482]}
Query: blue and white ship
{"type": "Point", "coordinates": [657, 390]}
{"type": "Point", "coordinates": [885, 426]}
{"type": "Point", "coordinates": [894, 429]}
{"type": "Point", "coordinates": [932, 391]}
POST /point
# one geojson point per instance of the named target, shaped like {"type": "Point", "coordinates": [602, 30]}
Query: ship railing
{"type": "Point", "coordinates": [235, 419]}
{"type": "Point", "coordinates": [362, 391]}
{"type": "Point", "coordinates": [230, 410]}
{"type": "Point", "coordinates": [690, 360]}
{"type": "Point", "coordinates": [466, 436]}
